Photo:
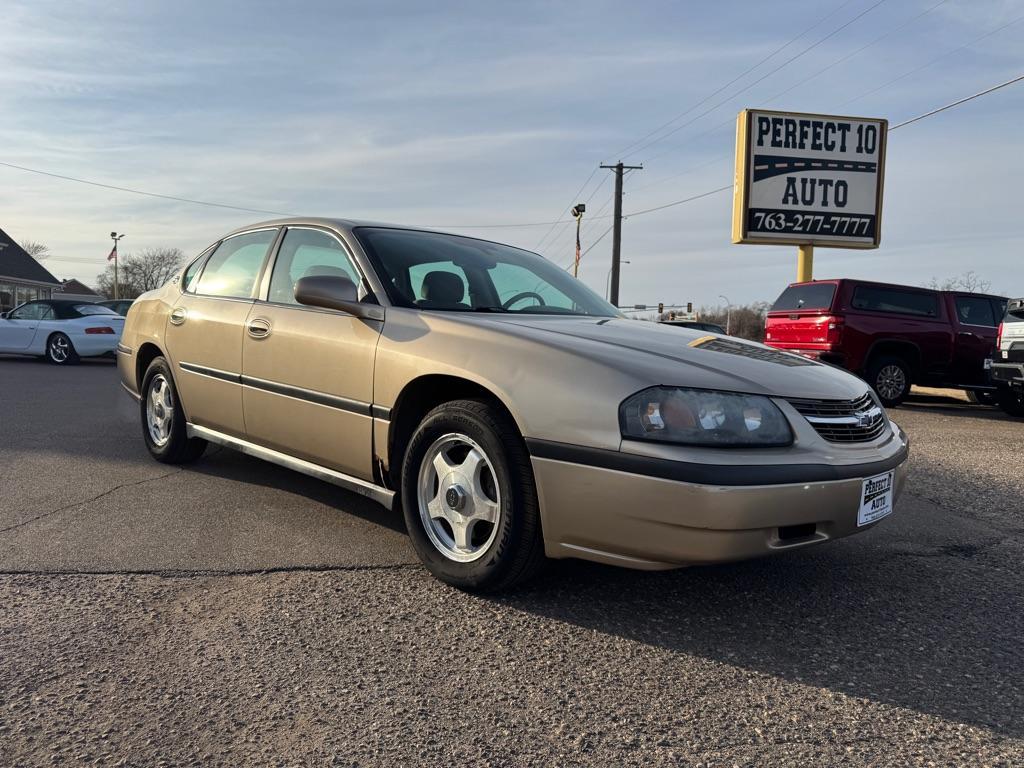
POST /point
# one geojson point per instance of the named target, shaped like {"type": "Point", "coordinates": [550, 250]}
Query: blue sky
{"type": "Point", "coordinates": [458, 114]}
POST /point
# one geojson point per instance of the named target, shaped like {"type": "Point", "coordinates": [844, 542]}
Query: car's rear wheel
{"type": "Point", "coordinates": [890, 378]}
{"type": "Point", "coordinates": [60, 350]}
{"type": "Point", "coordinates": [163, 420]}
{"type": "Point", "coordinates": [469, 498]}
{"type": "Point", "coordinates": [1012, 402]}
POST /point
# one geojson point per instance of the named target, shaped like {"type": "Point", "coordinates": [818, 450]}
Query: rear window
{"type": "Point", "coordinates": [815, 296]}
{"type": "Point", "coordinates": [1014, 311]}
{"type": "Point", "coordinates": [93, 309]}
{"type": "Point", "coordinates": [878, 299]}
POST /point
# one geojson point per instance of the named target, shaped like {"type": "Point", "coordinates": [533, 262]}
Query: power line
{"type": "Point", "coordinates": [817, 73]}
{"type": "Point", "coordinates": [958, 102]}
{"type": "Point", "coordinates": [746, 88]}
{"type": "Point", "coordinates": [819, 22]}
{"type": "Point", "coordinates": [678, 202]}
{"type": "Point", "coordinates": [142, 192]}
{"type": "Point", "coordinates": [566, 209]}
{"type": "Point", "coordinates": [930, 62]}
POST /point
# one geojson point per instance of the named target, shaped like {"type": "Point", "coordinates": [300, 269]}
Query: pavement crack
{"type": "Point", "coordinates": [83, 502]}
{"type": "Point", "coordinates": [176, 573]}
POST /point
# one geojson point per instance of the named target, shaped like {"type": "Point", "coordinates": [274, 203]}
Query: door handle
{"type": "Point", "coordinates": [178, 315]}
{"type": "Point", "coordinates": [259, 328]}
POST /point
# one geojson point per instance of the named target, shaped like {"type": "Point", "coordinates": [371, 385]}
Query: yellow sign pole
{"type": "Point", "coordinates": [805, 263]}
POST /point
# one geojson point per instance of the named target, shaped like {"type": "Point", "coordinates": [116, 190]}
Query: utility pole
{"type": "Point", "coordinates": [619, 168]}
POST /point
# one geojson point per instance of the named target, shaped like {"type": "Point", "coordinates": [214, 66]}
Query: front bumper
{"type": "Point", "coordinates": [641, 521]}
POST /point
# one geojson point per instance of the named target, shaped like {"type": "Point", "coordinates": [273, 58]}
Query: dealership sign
{"type": "Point", "coordinates": [808, 179]}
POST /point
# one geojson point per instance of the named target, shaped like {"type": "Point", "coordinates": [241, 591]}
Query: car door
{"type": "Point", "coordinates": [18, 329]}
{"type": "Point", "coordinates": [307, 372]}
{"type": "Point", "coordinates": [204, 331]}
{"type": "Point", "coordinates": [975, 338]}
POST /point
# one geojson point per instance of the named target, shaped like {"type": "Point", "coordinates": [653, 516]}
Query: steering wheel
{"type": "Point", "coordinates": [524, 295]}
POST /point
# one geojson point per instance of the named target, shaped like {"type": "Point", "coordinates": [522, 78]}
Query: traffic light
{"type": "Point", "coordinates": [661, 307]}
{"type": "Point", "coordinates": [689, 307]}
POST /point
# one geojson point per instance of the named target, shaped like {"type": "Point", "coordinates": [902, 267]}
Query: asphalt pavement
{"type": "Point", "coordinates": [233, 612]}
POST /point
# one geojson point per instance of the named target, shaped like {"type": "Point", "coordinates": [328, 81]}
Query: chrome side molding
{"type": "Point", "coordinates": [381, 495]}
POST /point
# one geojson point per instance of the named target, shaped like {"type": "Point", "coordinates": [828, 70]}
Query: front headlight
{"type": "Point", "coordinates": [703, 417]}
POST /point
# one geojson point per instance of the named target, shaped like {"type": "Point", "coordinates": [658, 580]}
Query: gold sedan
{"type": "Point", "coordinates": [512, 413]}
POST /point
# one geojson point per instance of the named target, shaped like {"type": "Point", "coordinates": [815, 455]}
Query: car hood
{"type": "Point", "coordinates": [685, 357]}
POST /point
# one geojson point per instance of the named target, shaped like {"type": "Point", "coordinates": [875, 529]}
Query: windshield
{"type": "Point", "coordinates": [807, 296]}
{"type": "Point", "coordinates": [430, 270]}
{"type": "Point", "coordinates": [93, 309]}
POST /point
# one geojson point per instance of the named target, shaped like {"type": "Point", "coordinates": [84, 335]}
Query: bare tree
{"type": "Point", "coordinates": [969, 281]}
{"type": "Point", "coordinates": [35, 249]}
{"type": "Point", "coordinates": [139, 272]}
{"type": "Point", "coordinates": [746, 321]}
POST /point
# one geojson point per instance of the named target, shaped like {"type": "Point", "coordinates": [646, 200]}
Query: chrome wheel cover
{"type": "Point", "coordinates": [458, 497]}
{"type": "Point", "coordinates": [159, 410]}
{"type": "Point", "coordinates": [60, 349]}
{"type": "Point", "coordinates": [891, 382]}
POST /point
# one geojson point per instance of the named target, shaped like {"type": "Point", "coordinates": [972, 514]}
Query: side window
{"type": "Point", "coordinates": [430, 286]}
{"type": "Point", "coordinates": [512, 281]}
{"type": "Point", "coordinates": [192, 271]}
{"type": "Point", "coordinates": [233, 268]}
{"type": "Point", "coordinates": [874, 299]}
{"type": "Point", "coordinates": [305, 253]}
{"type": "Point", "coordinates": [973, 310]}
{"type": "Point", "coordinates": [29, 312]}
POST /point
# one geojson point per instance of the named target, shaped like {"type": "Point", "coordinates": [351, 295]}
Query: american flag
{"type": "Point", "coordinates": [113, 254]}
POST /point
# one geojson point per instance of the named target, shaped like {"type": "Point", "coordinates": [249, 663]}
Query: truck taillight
{"type": "Point", "coordinates": [835, 329]}
{"type": "Point", "coordinates": [999, 337]}
{"type": "Point", "coordinates": [101, 329]}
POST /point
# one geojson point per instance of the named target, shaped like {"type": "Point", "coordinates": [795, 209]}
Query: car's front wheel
{"type": "Point", "coordinates": [469, 498]}
{"type": "Point", "coordinates": [60, 350]}
{"type": "Point", "coordinates": [163, 420]}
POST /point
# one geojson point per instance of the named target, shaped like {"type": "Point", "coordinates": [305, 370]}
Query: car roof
{"type": "Point", "coordinates": [347, 225]}
{"type": "Point", "coordinates": [858, 281]}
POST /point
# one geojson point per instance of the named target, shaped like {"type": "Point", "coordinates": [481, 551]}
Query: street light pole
{"type": "Point", "coordinates": [608, 281]}
{"type": "Point", "coordinates": [115, 237]}
{"type": "Point", "coordinates": [728, 314]}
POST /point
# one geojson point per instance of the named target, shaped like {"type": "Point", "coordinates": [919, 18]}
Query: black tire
{"type": "Point", "coordinates": [1012, 402]}
{"type": "Point", "coordinates": [514, 550]}
{"type": "Point", "coordinates": [60, 350]}
{"type": "Point", "coordinates": [982, 397]}
{"type": "Point", "coordinates": [176, 447]}
{"type": "Point", "coordinates": [890, 378]}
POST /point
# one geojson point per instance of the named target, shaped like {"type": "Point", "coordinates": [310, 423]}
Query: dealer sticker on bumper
{"type": "Point", "coordinates": [876, 498]}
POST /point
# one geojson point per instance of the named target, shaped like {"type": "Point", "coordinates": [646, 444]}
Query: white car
{"type": "Point", "coordinates": [60, 331]}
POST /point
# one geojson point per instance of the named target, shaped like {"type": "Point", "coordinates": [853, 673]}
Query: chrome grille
{"type": "Point", "coordinates": [844, 421]}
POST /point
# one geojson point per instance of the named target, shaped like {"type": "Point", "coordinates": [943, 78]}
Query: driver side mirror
{"type": "Point", "coordinates": [335, 292]}
{"type": "Point", "coordinates": [3, 315]}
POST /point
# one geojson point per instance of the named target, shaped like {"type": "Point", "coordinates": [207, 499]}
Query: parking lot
{"type": "Point", "coordinates": [235, 612]}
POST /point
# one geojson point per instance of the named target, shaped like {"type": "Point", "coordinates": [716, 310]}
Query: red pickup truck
{"type": "Point", "coordinates": [891, 335]}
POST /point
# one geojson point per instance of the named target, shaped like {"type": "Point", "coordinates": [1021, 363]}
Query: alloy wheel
{"type": "Point", "coordinates": [891, 382]}
{"type": "Point", "coordinates": [60, 349]}
{"type": "Point", "coordinates": [459, 501]}
{"type": "Point", "coordinates": [159, 410]}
